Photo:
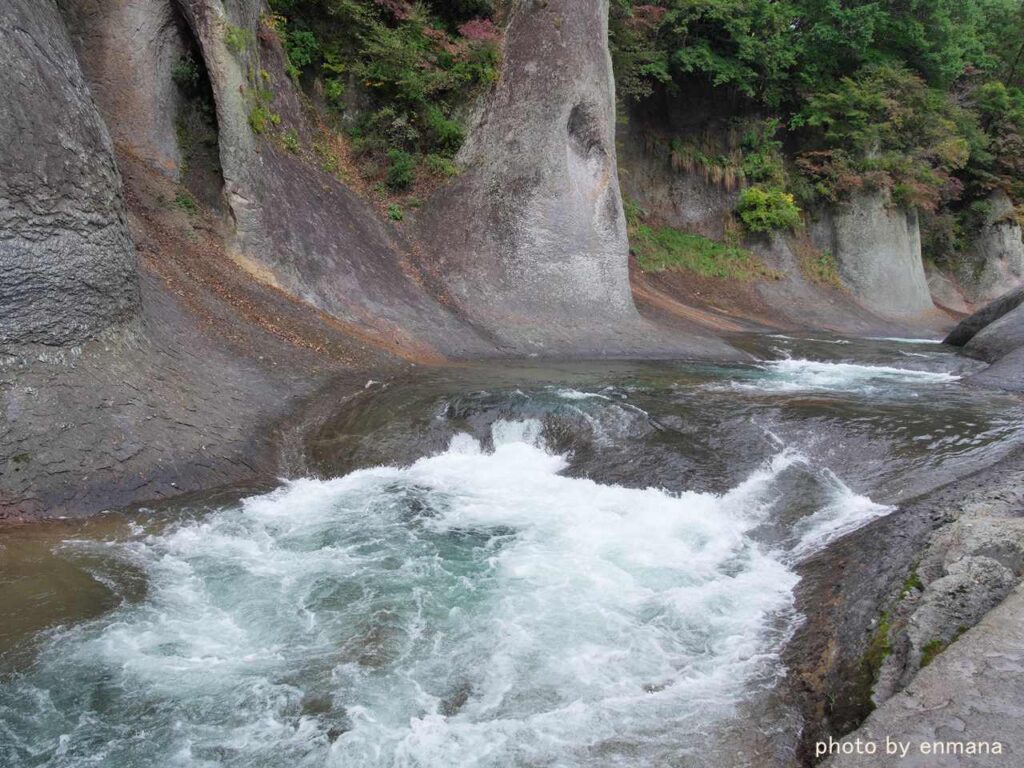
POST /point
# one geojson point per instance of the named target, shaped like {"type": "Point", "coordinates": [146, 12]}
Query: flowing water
{"type": "Point", "coordinates": [579, 565]}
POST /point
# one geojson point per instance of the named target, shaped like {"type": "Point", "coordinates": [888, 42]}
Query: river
{"type": "Point", "coordinates": [520, 564]}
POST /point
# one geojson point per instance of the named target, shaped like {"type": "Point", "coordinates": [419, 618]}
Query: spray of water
{"type": "Point", "coordinates": [477, 608]}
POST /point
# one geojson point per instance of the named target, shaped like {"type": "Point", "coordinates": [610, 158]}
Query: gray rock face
{"type": "Point", "coordinates": [878, 249]}
{"type": "Point", "coordinates": [531, 240]}
{"type": "Point", "coordinates": [128, 50]}
{"type": "Point", "coordinates": [679, 199]}
{"type": "Point", "coordinates": [999, 338]}
{"type": "Point", "coordinates": [297, 228]}
{"type": "Point", "coordinates": [995, 262]}
{"type": "Point", "coordinates": [970, 694]}
{"type": "Point", "coordinates": [945, 291]}
{"type": "Point", "coordinates": [988, 314]}
{"type": "Point", "coordinates": [67, 264]}
{"type": "Point", "coordinates": [995, 334]}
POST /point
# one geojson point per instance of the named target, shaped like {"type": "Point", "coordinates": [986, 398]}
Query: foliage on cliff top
{"type": "Point", "coordinates": [922, 97]}
{"type": "Point", "coordinates": [399, 75]}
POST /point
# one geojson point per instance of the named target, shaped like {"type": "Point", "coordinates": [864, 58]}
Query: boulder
{"type": "Point", "coordinates": [67, 263]}
{"type": "Point", "coordinates": [988, 314]}
{"type": "Point", "coordinates": [999, 338]}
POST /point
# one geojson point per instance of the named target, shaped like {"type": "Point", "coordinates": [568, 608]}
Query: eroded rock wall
{"type": "Point", "coordinates": [67, 264]}
{"type": "Point", "coordinates": [531, 240]}
{"type": "Point", "coordinates": [877, 247]}
{"type": "Point", "coordinates": [128, 50]}
{"type": "Point", "coordinates": [995, 262]}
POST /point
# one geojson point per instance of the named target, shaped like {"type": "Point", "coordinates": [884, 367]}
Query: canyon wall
{"type": "Point", "coordinates": [530, 241]}
{"type": "Point", "coordinates": [67, 266]}
{"type": "Point", "coordinates": [877, 247]}
{"type": "Point", "coordinates": [994, 263]}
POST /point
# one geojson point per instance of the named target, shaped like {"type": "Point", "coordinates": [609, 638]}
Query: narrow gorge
{"type": "Point", "coordinates": [511, 382]}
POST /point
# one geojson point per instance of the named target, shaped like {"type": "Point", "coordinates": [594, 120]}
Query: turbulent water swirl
{"type": "Point", "coordinates": [477, 608]}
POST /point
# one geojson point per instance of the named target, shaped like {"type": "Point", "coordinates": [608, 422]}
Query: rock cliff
{"type": "Point", "coordinates": [67, 266]}
{"type": "Point", "coordinates": [878, 250]}
{"type": "Point", "coordinates": [994, 264]}
{"type": "Point", "coordinates": [531, 241]}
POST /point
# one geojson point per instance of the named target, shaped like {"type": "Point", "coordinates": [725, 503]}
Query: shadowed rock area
{"type": "Point", "coordinates": [995, 334]}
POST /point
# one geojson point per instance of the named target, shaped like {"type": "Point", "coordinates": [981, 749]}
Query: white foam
{"type": "Point", "coordinates": [478, 608]}
{"type": "Point", "coordinates": [794, 375]}
{"type": "Point", "coordinates": [901, 340]}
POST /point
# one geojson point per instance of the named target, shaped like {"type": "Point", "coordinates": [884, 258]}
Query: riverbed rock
{"type": "Point", "coordinates": [970, 326]}
{"type": "Point", "coordinates": [67, 263]}
{"type": "Point", "coordinates": [970, 694]}
{"type": "Point", "coordinates": [999, 338]}
{"type": "Point", "coordinates": [877, 246]}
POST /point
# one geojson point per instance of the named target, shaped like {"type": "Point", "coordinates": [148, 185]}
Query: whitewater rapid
{"type": "Point", "coordinates": [477, 608]}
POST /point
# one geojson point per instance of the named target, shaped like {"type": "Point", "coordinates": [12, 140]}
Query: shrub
{"type": "Point", "coordinates": [290, 140]}
{"type": "Point", "coordinates": [766, 210]}
{"type": "Point", "coordinates": [185, 201]}
{"type": "Point", "coordinates": [441, 166]}
{"type": "Point", "coordinates": [395, 213]}
{"type": "Point", "coordinates": [401, 169]}
{"type": "Point", "coordinates": [302, 47]}
{"type": "Point", "coordinates": [186, 72]}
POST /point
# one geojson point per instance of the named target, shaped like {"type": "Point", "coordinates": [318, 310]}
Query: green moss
{"type": "Point", "coordinates": [261, 117]}
{"type": "Point", "coordinates": [238, 39]}
{"type": "Point", "coordinates": [932, 649]}
{"type": "Point", "coordinates": [879, 648]}
{"type": "Point", "coordinates": [912, 583]}
{"type": "Point", "coordinates": [185, 201]}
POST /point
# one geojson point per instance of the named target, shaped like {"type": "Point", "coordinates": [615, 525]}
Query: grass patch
{"type": "Point", "coordinates": [187, 203]}
{"type": "Point", "coordinates": [817, 265]}
{"type": "Point", "coordinates": [658, 249]}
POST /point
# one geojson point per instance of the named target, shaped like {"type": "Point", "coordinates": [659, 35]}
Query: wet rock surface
{"type": "Point", "coordinates": [188, 396]}
{"type": "Point", "coordinates": [907, 584]}
{"type": "Point", "coordinates": [66, 259]}
{"type": "Point", "coordinates": [996, 334]}
{"type": "Point", "coordinates": [967, 696]}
